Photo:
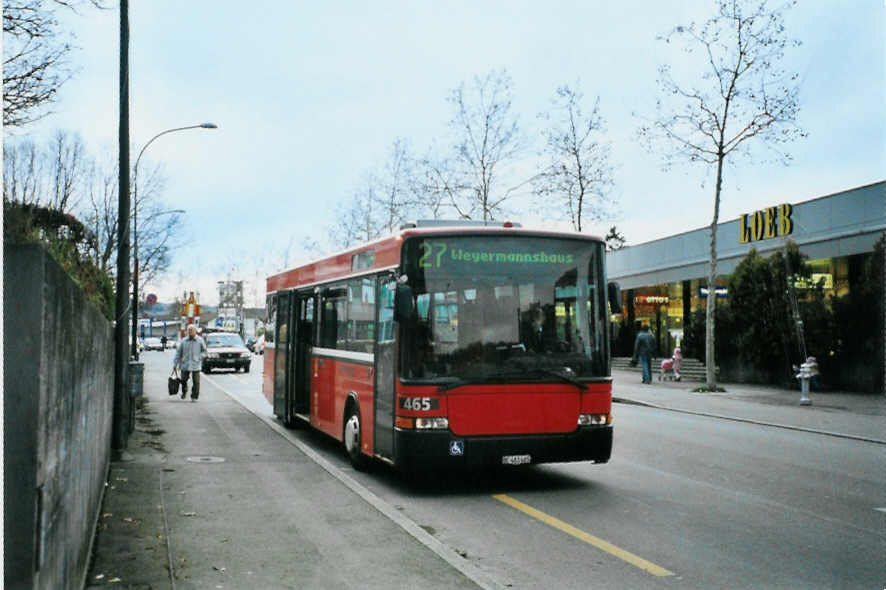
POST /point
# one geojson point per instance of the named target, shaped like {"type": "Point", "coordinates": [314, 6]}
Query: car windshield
{"type": "Point", "coordinates": [514, 308]}
{"type": "Point", "coordinates": [220, 340]}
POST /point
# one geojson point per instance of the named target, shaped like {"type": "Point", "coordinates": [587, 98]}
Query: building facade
{"type": "Point", "coordinates": [664, 281]}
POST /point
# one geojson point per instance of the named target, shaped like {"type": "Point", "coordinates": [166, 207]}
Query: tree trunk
{"type": "Point", "coordinates": [710, 358]}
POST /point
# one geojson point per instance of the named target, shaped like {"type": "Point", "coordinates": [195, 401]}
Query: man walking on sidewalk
{"type": "Point", "coordinates": [644, 346]}
{"type": "Point", "coordinates": [189, 360]}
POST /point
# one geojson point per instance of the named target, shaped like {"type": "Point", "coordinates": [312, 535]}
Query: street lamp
{"type": "Point", "coordinates": [134, 344]}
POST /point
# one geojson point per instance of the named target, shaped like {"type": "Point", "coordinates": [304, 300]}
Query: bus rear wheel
{"type": "Point", "coordinates": [352, 438]}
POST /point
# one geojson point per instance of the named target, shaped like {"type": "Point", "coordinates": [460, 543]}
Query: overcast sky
{"type": "Point", "coordinates": [309, 96]}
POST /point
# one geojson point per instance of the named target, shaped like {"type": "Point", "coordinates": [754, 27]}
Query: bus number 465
{"type": "Point", "coordinates": [421, 404]}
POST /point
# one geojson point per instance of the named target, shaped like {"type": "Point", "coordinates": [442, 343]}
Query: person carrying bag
{"type": "Point", "coordinates": [189, 359]}
{"type": "Point", "coordinates": [174, 382]}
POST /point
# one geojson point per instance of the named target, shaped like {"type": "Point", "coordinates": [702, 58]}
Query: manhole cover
{"type": "Point", "coordinates": [206, 459]}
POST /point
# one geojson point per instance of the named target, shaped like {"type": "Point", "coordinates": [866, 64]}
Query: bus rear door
{"type": "Point", "coordinates": [281, 356]}
{"type": "Point", "coordinates": [304, 332]}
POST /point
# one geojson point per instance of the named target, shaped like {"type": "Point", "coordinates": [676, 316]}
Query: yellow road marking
{"type": "Point", "coordinates": [579, 534]}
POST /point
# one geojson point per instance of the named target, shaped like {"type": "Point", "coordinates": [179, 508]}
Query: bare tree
{"type": "Point", "coordinates": [101, 214]}
{"type": "Point", "coordinates": [35, 58]}
{"type": "Point", "coordinates": [68, 164]}
{"type": "Point", "coordinates": [356, 218]}
{"type": "Point", "coordinates": [577, 178]}
{"type": "Point", "coordinates": [742, 95]}
{"type": "Point", "coordinates": [487, 136]}
{"type": "Point", "coordinates": [439, 186]}
{"type": "Point", "coordinates": [396, 189]}
{"type": "Point", "coordinates": [159, 228]}
{"type": "Point", "coordinates": [49, 177]}
{"type": "Point", "coordinates": [159, 231]}
{"type": "Point", "coordinates": [386, 199]}
{"type": "Point", "coordinates": [311, 248]}
{"type": "Point", "coordinates": [24, 176]}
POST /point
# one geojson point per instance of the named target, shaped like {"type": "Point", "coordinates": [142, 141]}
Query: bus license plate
{"type": "Point", "coordinates": [516, 459]}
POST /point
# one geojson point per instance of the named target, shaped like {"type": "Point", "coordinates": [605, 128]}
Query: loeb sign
{"type": "Point", "coordinates": [768, 223]}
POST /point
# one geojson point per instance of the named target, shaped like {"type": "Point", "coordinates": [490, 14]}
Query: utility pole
{"type": "Point", "coordinates": [120, 427]}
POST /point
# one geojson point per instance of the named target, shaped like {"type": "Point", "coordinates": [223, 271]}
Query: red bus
{"type": "Point", "coordinates": [440, 345]}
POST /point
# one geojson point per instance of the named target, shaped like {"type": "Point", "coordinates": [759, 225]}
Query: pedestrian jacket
{"type": "Point", "coordinates": [189, 354]}
{"type": "Point", "coordinates": [644, 345]}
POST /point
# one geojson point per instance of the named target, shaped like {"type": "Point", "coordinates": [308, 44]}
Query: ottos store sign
{"type": "Point", "coordinates": [651, 299]}
{"type": "Point", "coordinates": [771, 222]}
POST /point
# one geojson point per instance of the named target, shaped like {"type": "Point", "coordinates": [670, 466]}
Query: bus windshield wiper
{"type": "Point", "coordinates": [458, 382]}
{"type": "Point", "coordinates": [510, 376]}
{"type": "Point", "coordinates": [558, 375]}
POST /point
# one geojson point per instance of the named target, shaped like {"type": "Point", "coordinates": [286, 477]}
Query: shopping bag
{"type": "Point", "coordinates": [174, 383]}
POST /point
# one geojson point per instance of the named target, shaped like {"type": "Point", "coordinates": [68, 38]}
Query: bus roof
{"type": "Point", "coordinates": [384, 253]}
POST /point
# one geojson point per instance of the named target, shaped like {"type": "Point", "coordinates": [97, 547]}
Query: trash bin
{"type": "Point", "coordinates": [136, 378]}
{"type": "Point", "coordinates": [136, 388]}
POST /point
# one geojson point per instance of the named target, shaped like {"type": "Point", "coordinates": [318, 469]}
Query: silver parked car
{"type": "Point", "coordinates": [153, 343]}
{"type": "Point", "coordinates": [226, 350]}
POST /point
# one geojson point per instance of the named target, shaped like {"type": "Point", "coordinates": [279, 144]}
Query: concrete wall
{"type": "Point", "coordinates": [58, 399]}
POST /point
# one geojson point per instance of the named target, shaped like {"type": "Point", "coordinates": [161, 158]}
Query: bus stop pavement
{"type": "Point", "coordinates": [844, 414]}
{"type": "Point", "coordinates": [207, 495]}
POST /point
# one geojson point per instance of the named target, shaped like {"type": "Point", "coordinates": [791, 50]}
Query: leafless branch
{"type": "Point", "coordinates": [578, 173]}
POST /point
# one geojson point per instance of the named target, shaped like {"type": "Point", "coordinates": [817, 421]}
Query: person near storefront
{"type": "Point", "coordinates": [644, 347]}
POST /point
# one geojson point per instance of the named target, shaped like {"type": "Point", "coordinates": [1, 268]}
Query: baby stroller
{"type": "Point", "coordinates": [670, 368]}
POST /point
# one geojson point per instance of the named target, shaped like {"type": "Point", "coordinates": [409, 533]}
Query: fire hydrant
{"type": "Point", "coordinates": [807, 371]}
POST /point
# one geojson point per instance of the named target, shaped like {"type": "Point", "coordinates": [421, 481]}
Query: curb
{"type": "Point", "coordinates": [633, 402]}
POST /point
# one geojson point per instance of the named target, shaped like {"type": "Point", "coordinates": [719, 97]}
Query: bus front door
{"type": "Point", "coordinates": [385, 368]}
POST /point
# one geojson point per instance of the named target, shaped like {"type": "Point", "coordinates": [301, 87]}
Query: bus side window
{"type": "Point", "coordinates": [271, 323]}
{"type": "Point", "coordinates": [386, 312]}
{"type": "Point", "coordinates": [307, 334]}
{"type": "Point", "coordinates": [361, 315]}
{"type": "Point", "coordinates": [328, 325]}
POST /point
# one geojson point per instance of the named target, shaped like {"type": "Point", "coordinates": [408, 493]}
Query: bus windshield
{"type": "Point", "coordinates": [504, 309]}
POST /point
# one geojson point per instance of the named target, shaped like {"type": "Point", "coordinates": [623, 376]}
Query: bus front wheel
{"type": "Point", "coordinates": [352, 437]}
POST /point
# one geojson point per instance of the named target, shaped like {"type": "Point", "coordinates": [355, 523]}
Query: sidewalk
{"type": "Point", "coordinates": [210, 496]}
{"type": "Point", "coordinates": [850, 415]}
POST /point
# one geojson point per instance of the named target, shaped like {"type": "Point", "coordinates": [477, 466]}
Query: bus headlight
{"type": "Point", "coordinates": [431, 423]}
{"type": "Point", "coordinates": [594, 419]}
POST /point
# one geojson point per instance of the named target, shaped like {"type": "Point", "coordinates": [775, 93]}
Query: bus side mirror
{"type": "Point", "coordinates": [404, 303]}
{"type": "Point", "coordinates": [614, 293]}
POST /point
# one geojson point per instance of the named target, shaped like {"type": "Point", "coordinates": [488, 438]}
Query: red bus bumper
{"type": "Point", "coordinates": [416, 450]}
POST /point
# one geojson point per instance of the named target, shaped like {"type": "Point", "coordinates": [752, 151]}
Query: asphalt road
{"type": "Point", "coordinates": [687, 501]}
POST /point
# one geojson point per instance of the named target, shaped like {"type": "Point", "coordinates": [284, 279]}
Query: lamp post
{"type": "Point", "coordinates": [134, 344]}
